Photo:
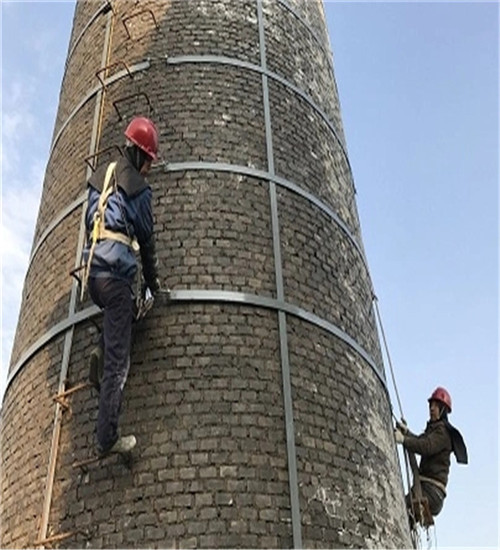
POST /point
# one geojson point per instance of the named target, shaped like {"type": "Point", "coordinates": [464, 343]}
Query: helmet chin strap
{"type": "Point", "coordinates": [443, 412]}
{"type": "Point", "coordinates": [139, 161]}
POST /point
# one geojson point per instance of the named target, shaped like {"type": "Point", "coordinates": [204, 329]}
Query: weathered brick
{"type": "Point", "coordinates": [154, 533]}
{"type": "Point", "coordinates": [203, 499]}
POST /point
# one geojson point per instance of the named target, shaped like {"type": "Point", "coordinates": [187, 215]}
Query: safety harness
{"type": "Point", "coordinates": [99, 231]}
{"type": "Point", "coordinates": [435, 482]}
{"type": "Point", "coordinates": [419, 504]}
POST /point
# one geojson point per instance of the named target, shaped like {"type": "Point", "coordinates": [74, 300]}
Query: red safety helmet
{"type": "Point", "coordinates": [144, 134]}
{"type": "Point", "coordinates": [441, 395]}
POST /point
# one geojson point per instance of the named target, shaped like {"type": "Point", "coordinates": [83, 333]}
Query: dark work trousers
{"type": "Point", "coordinates": [114, 296]}
{"type": "Point", "coordinates": [435, 497]}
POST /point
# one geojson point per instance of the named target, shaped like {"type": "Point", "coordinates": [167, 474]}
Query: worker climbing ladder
{"type": "Point", "coordinates": [65, 391]}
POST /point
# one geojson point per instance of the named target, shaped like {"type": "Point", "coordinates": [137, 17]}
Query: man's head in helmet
{"type": "Point", "coordinates": [142, 143]}
{"type": "Point", "coordinates": [439, 404]}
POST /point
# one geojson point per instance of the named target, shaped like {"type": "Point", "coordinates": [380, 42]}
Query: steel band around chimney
{"type": "Point", "coordinates": [211, 296]}
{"type": "Point", "coordinates": [328, 53]}
{"type": "Point", "coordinates": [63, 214]}
{"type": "Point", "coordinates": [110, 80]}
{"type": "Point", "coordinates": [217, 167]}
{"type": "Point", "coordinates": [209, 59]}
{"type": "Point", "coordinates": [104, 8]}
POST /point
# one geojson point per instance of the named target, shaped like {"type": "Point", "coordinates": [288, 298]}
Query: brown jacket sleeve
{"type": "Point", "coordinates": [430, 442]}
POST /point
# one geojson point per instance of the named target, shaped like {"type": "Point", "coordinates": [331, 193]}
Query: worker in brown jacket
{"type": "Point", "coordinates": [434, 446]}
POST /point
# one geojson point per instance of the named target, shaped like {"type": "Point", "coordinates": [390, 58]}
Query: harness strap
{"type": "Point", "coordinates": [435, 482]}
{"type": "Point", "coordinates": [99, 230]}
{"type": "Point", "coordinates": [120, 237]}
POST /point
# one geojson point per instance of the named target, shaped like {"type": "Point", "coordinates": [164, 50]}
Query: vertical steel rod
{"type": "Point", "coordinates": [285, 362]}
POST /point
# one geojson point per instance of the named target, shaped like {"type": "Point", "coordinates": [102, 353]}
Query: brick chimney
{"type": "Point", "coordinates": [257, 394]}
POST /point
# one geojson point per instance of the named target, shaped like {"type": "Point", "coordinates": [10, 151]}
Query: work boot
{"type": "Point", "coordinates": [124, 444]}
{"type": "Point", "coordinates": [96, 366]}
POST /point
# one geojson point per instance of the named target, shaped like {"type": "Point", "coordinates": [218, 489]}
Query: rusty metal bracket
{"type": "Point", "coordinates": [124, 458]}
{"type": "Point", "coordinates": [88, 158]}
{"type": "Point", "coordinates": [74, 389]}
{"type": "Point", "coordinates": [60, 537]}
{"type": "Point", "coordinates": [84, 463]}
{"type": "Point", "coordinates": [110, 7]}
{"type": "Point", "coordinates": [126, 98]}
{"type": "Point", "coordinates": [118, 63]}
{"type": "Point", "coordinates": [62, 398]}
{"type": "Point", "coordinates": [74, 273]}
{"type": "Point", "coordinates": [64, 403]}
{"type": "Point", "coordinates": [133, 16]}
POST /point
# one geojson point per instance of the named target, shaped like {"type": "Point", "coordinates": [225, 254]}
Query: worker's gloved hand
{"type": "Point", "coordinates": [399, 436]}
{"type": "Point", "coordinates": [154, 286]}
{"type": "Point", "coordinates": [150, 265]}
{"type": "Point", "coordinates": [402, 426]}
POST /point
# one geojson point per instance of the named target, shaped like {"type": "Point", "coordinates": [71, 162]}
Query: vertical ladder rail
{"type": "Point", "coordinates": [68, 339]}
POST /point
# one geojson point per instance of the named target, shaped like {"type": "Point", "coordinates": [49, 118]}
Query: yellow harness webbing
{"type": "Point", "coordinates": [99, 231]}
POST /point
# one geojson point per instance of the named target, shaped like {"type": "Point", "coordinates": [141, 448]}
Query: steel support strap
{"type": "Point", "coordinates": [110, 80]}
{"type": "Point", "coordinates": [217, 296]}
{"type": "Point", "coordinates": [58, 218]}
{"type": "Point", "coordinates": [230, 61]}
{"type": "Point", "coordinates": [219, 167]}
{"type": "Point", "coordinates": [102, 9]}
{"type": "Point", "coordinates": [282, 324]}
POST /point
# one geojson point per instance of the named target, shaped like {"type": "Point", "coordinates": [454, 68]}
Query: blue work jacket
{"type": "Point", "coordinates": [128, 211]}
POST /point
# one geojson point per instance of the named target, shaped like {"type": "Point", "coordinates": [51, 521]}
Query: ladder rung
{"type": "Point", "coordinates": [74, 389]}
{"type": "Point", "coordinates": [55, 538]}
{"type": "Point", "coordinates": [87, 461]}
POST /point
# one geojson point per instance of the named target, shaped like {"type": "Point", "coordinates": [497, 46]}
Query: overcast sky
{"type": "Point", "coordinates": [418, 83]}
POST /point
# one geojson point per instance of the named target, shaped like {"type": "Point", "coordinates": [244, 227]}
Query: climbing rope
{"type": "Point", "coordinates": [415, 534]}
{"type": "Point", "coordinates": [400, 406]}
{"type": "Point", "coordinates": [388, 355]}
{"type": "Point", "coordinates": [389, 360]}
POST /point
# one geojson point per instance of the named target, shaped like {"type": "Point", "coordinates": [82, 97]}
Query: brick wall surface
{"type": "Point", "coordinates": [322, 270]}
{"type": "Point", "coordinates": [349, 494]}
{"type": "Point", "coordinates": [205, 394]}
{"type": "Point", "coordinates": [306, 153]}
{"type": "Point", "coordinates": [290, 47]}
{"type": "Point", "coordinates": [27, 418]}
{"type": "Point", "coordinates": [214, 233]}
{"type": "Point", "coordinates": [46, 289]}
{"type": "Point", "coordinates": [211, 469]}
